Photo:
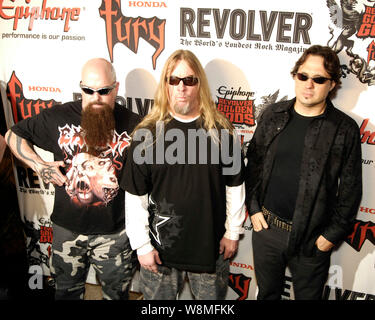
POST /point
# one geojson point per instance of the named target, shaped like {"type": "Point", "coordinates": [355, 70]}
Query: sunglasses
{"type": "Point", "coordinates": [318, 80]}
{"type": "Point", "coordinates": [188, 81]}
{"type": "Point", "coordinates": [102, 91]}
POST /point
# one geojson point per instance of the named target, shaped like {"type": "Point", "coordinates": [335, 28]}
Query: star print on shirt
{"type": "Point", "coordinates": [160, 222]}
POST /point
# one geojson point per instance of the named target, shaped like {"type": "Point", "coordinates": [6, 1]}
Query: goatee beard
{"type": "Point", "coordinates": [98, 125]}
{"type": "Point", "coordinates": [183, 110]}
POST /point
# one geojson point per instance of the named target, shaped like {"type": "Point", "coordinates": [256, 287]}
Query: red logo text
{"type": "Point", "coordinates": [366, 136]}
{"type": "Point", "coordinates": [23, 108]}
{"type": "Point", "coordinates": [128, 31]}
{"type": "Point", "coordinates": [35, 13]}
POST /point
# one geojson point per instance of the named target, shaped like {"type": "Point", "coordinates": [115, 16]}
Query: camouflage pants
{"type": "Point", "coordinates": [110, 255]}
{"type": "Point", "coordinates": [168, 282]}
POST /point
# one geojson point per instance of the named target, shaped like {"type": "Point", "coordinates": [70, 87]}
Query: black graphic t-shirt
{"type": "Point", "coordinates": [187, 200]}
{"type": "Point", "coordinates": [91, 201]}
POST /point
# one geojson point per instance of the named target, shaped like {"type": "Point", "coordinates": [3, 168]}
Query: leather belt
{"type": "Point", "coordinates": [273, 219]}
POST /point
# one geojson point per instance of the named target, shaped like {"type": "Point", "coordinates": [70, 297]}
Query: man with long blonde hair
{"type": "Point", "coordinates": [205, 106]}
{"type": "Point", "coordinates": [185, 208]}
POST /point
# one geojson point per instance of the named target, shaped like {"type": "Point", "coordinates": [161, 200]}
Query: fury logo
{"type": "Point", "coordinates": [127, 30]}
{"type": "Point", "coordinates": [22, 107]}
{"type": "Point", "coordinates": [240, 284]}
{"type": "Point", "coordinates": [362, 231]}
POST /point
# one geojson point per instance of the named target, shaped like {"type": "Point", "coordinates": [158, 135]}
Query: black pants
{"type": "Point", "coordinates": [309, 274]}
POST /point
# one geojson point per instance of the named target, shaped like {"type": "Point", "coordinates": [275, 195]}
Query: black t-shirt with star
{"type": "Point", "coordinates": [187, 199]}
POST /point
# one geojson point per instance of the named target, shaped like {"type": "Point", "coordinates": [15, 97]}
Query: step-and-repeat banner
{"type": "Point", "coordinates": [247, 49]}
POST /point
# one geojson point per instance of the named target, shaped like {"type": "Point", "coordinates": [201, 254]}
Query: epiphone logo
{"type": "Point", "coordinates": [30, 13]}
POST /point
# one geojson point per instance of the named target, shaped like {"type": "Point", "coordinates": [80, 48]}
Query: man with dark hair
{"type": "Point", "coordinates": [303, 180]}
{"type": "Point", "coordinates": [88, 139]}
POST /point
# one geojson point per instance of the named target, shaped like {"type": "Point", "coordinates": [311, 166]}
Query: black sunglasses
{"type": "Point", "coordinates": [102, 91]}
{"type": "Point", "coordinates": [188, 81]}
{"type": "Point", "coordinates": [318, 80]}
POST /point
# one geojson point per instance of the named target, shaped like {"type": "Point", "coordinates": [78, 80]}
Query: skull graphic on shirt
{"type": "Point", "coordinates": [91, 180]}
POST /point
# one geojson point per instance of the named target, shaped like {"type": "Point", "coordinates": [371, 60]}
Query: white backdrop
{"type": "Point", "coordinates": [247, 49]}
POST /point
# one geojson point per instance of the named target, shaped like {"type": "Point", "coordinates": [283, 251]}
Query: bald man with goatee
{"type": "Point", "coordinates": [89, 140]}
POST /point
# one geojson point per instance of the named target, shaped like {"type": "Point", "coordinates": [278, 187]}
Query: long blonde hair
{"type": "Point", "coordinates": [211, 118]}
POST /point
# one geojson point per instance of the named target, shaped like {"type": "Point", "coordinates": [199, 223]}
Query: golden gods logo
{"type": "Point", "coordinates": [353, 19]}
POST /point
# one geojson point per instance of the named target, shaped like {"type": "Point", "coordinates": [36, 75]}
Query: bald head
{"type": "Point", "coordinates": [98, 69]}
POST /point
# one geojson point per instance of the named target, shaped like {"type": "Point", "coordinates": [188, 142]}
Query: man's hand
{"type": "Point", "coordinates": [50, 172]}
{"type": "Point", "coordinates": [323, 244]}
{"type": "Point", "coordinates": [24, 151]}
{"type": "Point", "coordinates": [258, 221]}
{"type": "Point", "coordinates": [228, 247]}
{"type": "Point", "coordinates": [150, 260]}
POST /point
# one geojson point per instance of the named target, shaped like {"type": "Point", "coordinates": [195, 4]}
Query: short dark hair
{"type": "Point", "coordinates": [331, 63]}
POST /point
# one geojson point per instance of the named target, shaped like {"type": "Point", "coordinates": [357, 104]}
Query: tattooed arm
{"type": "Point", "coordinates": [23, 150]}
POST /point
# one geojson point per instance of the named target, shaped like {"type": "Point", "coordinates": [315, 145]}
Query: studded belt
{"type": "Point", "coordinates": [273, 219]}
